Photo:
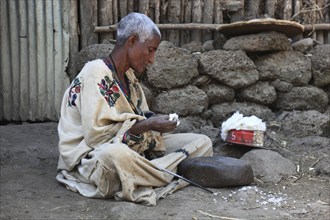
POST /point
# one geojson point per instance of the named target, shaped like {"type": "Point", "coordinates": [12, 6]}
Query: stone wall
{"type": "Point", "coordinates": [259, 74]}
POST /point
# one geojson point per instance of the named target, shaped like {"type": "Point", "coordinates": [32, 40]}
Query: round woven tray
{"type": "Point", "coordinates": [289, 28]}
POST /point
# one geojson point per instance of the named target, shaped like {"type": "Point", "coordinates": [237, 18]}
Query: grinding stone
{"type": "Point", "coordinates": [216, 171]}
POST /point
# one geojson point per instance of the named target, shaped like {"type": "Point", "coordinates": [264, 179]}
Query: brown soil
{"type": "Point", "coordinates": [29, 190]}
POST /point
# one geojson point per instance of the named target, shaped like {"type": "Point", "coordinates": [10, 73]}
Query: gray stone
{"type": "Point", "coordinates": [232, 68]}
{"type": "Point", "coordinates": [261, 93]}
{"type": "Point", "coordinates": [208, 45]}
{"type": "Point", "coordinates": [269, 166]}
{"type": "Point", "coordinates": [327, 112]}
{"type": "Point", "coordinates": [321, 65]}
{"type": "Point", "coordinates": [211, 132]}
{"type": "Point", "coordinates": [222, 112]}
{"type": "Point", "coordinates": [184, 101]}
{"type": "Point", "coordinates": [89, 53]}
{"type": "Point", "coordinates": [219, 42]}
{"type": "Point", "coordinates": [289, 66]}
{"type": "Point", "coordinates": [230, 150]}
{"type": "Point", "coordinates": [219, 93]}
{"type": "Point", "coordinates": [264, 41]}
{"type": "Point", "coordinates": [165, 44]}
{"type": "Point", "coordinates": [173, 67]}
{"type": "Point", "coordinates": [323, 167]}
{"type": "Point", "coordinates": [303, 98]}
{"type": "Point", "coordinates": [309, 150]}
{"type": "Point", "coordinates": [148, 94]}
{"type": "Point", "coordinates": [206, 114]}
{"type": "Point", "coordinates": [281, 86]}
{"type": "Point", "coordinates": [194, 46]}
{"type": "Point", "coordinates": [190, 124]}
{"type": "Point", "coordinates": [216, 171]}
{"type": "Point", "coordinates": [303, 45]}
{"type": "Point", "coordinates": [305, 123]}
{"type": "Point", "coordinates": [327, 91]}
{"type": "Point", "coordinates": [201, 80]}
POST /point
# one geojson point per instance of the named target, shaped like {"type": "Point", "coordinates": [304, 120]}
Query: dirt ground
{"type": "Point", "coordinates": [29, 190]}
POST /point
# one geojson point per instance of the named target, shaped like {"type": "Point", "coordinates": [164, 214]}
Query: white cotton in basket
{"type": "Point", "coordinates": [238, 122]}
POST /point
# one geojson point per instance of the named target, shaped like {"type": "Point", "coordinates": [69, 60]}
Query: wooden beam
{"type": "Point", "coordinates": [198, 26]}
{"type": "Point", "coordinates": [185, 26]}
{"type": "Point", "coordinates": [317, 27]}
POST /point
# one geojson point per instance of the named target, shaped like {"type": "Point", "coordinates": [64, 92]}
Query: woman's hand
{"type": "Point", "coordinates": [161, 123]}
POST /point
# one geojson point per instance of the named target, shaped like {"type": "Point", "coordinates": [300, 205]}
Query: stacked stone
{"type": "Point", "coordinates": [262, 74]}
{"type": "Point", "coordinates": [258, 74]}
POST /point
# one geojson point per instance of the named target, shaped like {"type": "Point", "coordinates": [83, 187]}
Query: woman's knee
{"type": "Point", "coordinates": [207, 144]}
{"type": "Point", "coordinates": [112, 152]}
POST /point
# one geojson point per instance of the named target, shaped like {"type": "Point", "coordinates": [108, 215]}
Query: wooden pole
{"type": "Point", "coordinates": [296, 7]}
{"type": "Point", "coordinates": [6, 67]}
{"type": "Point", "coordinates": [24, 61]}
{"type": "Point", "coordinates": [105, 17]}
{"type": "Point", "coordinates": [319, 34]}
{"type": "Point", "coordinates": [74, 39]}
{"type": "Point", "coordinates": [198, 26]}
{"type": "Point", "coordinates": [130, 6]}
{"type": "Point", "coordinates": [163, 16]}
{"type": "Point", "coordinates": [316, 27]}
{"type": "Point", "coordinates": [185, 34]}
{"type": "Point", "coordinates": [157, 11]}
{"type": "Point", "coordinates": [207, 19]}
{"type": "Point", "coordinates": [144, 7]}
{"type": "Point", "coordinates": [197, 11]}
{"type": "Point", "coordinates": [270, 8]}
{"type": "Point", "coordinates": [238, 11]}
{"type": "Point", "coordinates": [41, 59]}
{"type": "Point", "coordinates": [115, 11]}
{"type": "Point", "coordinates": [50, 74]}
{"type": "Point", "coordinates": [251, 9]}
{"type": "Point", "coordinates": [32, 43]}
{"type": "Point", "coordinates": [88, 20]}
{"type": "Point", "coordinates": [188, 26]}
{"type": "Point", "coordinates": [174, 7]}
{"type": "Point", "coordinates": [218, 17]}
{"type": "Point", "coordinates": [327, 20]}
{"type": "Point", "coordinates": [123, 8]}
{"type": "Point", "coordinates": [287, 9]}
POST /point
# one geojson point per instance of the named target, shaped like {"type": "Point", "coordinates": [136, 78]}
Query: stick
{"type": "Point", "coordinates": [304, 171]}
{"type": "Point", "coordinates": [216, 216]}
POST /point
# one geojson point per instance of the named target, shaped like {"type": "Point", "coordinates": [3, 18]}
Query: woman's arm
{"type": "Point", "coordinates": [160, 123]}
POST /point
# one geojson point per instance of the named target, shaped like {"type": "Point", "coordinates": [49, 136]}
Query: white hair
{"type": "Point", "coordinates": [136, 23]}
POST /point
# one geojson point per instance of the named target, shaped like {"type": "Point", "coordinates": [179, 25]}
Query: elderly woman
{"type": "Point", "coordinates": [110, 144]}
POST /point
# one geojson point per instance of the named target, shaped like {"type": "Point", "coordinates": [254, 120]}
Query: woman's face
{"type": "Point", "coordinates": [142, 55]}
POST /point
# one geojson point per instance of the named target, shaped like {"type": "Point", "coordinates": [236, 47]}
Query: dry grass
{"type": "Point", "coordinates": [311, 12]}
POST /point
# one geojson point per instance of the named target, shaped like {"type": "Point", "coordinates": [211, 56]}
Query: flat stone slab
{"type": "Point", "coordinates": [265, 41]}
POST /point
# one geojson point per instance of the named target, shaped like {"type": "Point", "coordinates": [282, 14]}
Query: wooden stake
{"type": "Point", "coordinates": [105, 16]}
{"type": "Point", "coordinates": [197, 10]}
{"type": "Point", "coordinates": [174, 7]}
{"type": "Point", "coordinates": [88, 20]}
{"type": "Point", "coordinates": [207, 19]}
